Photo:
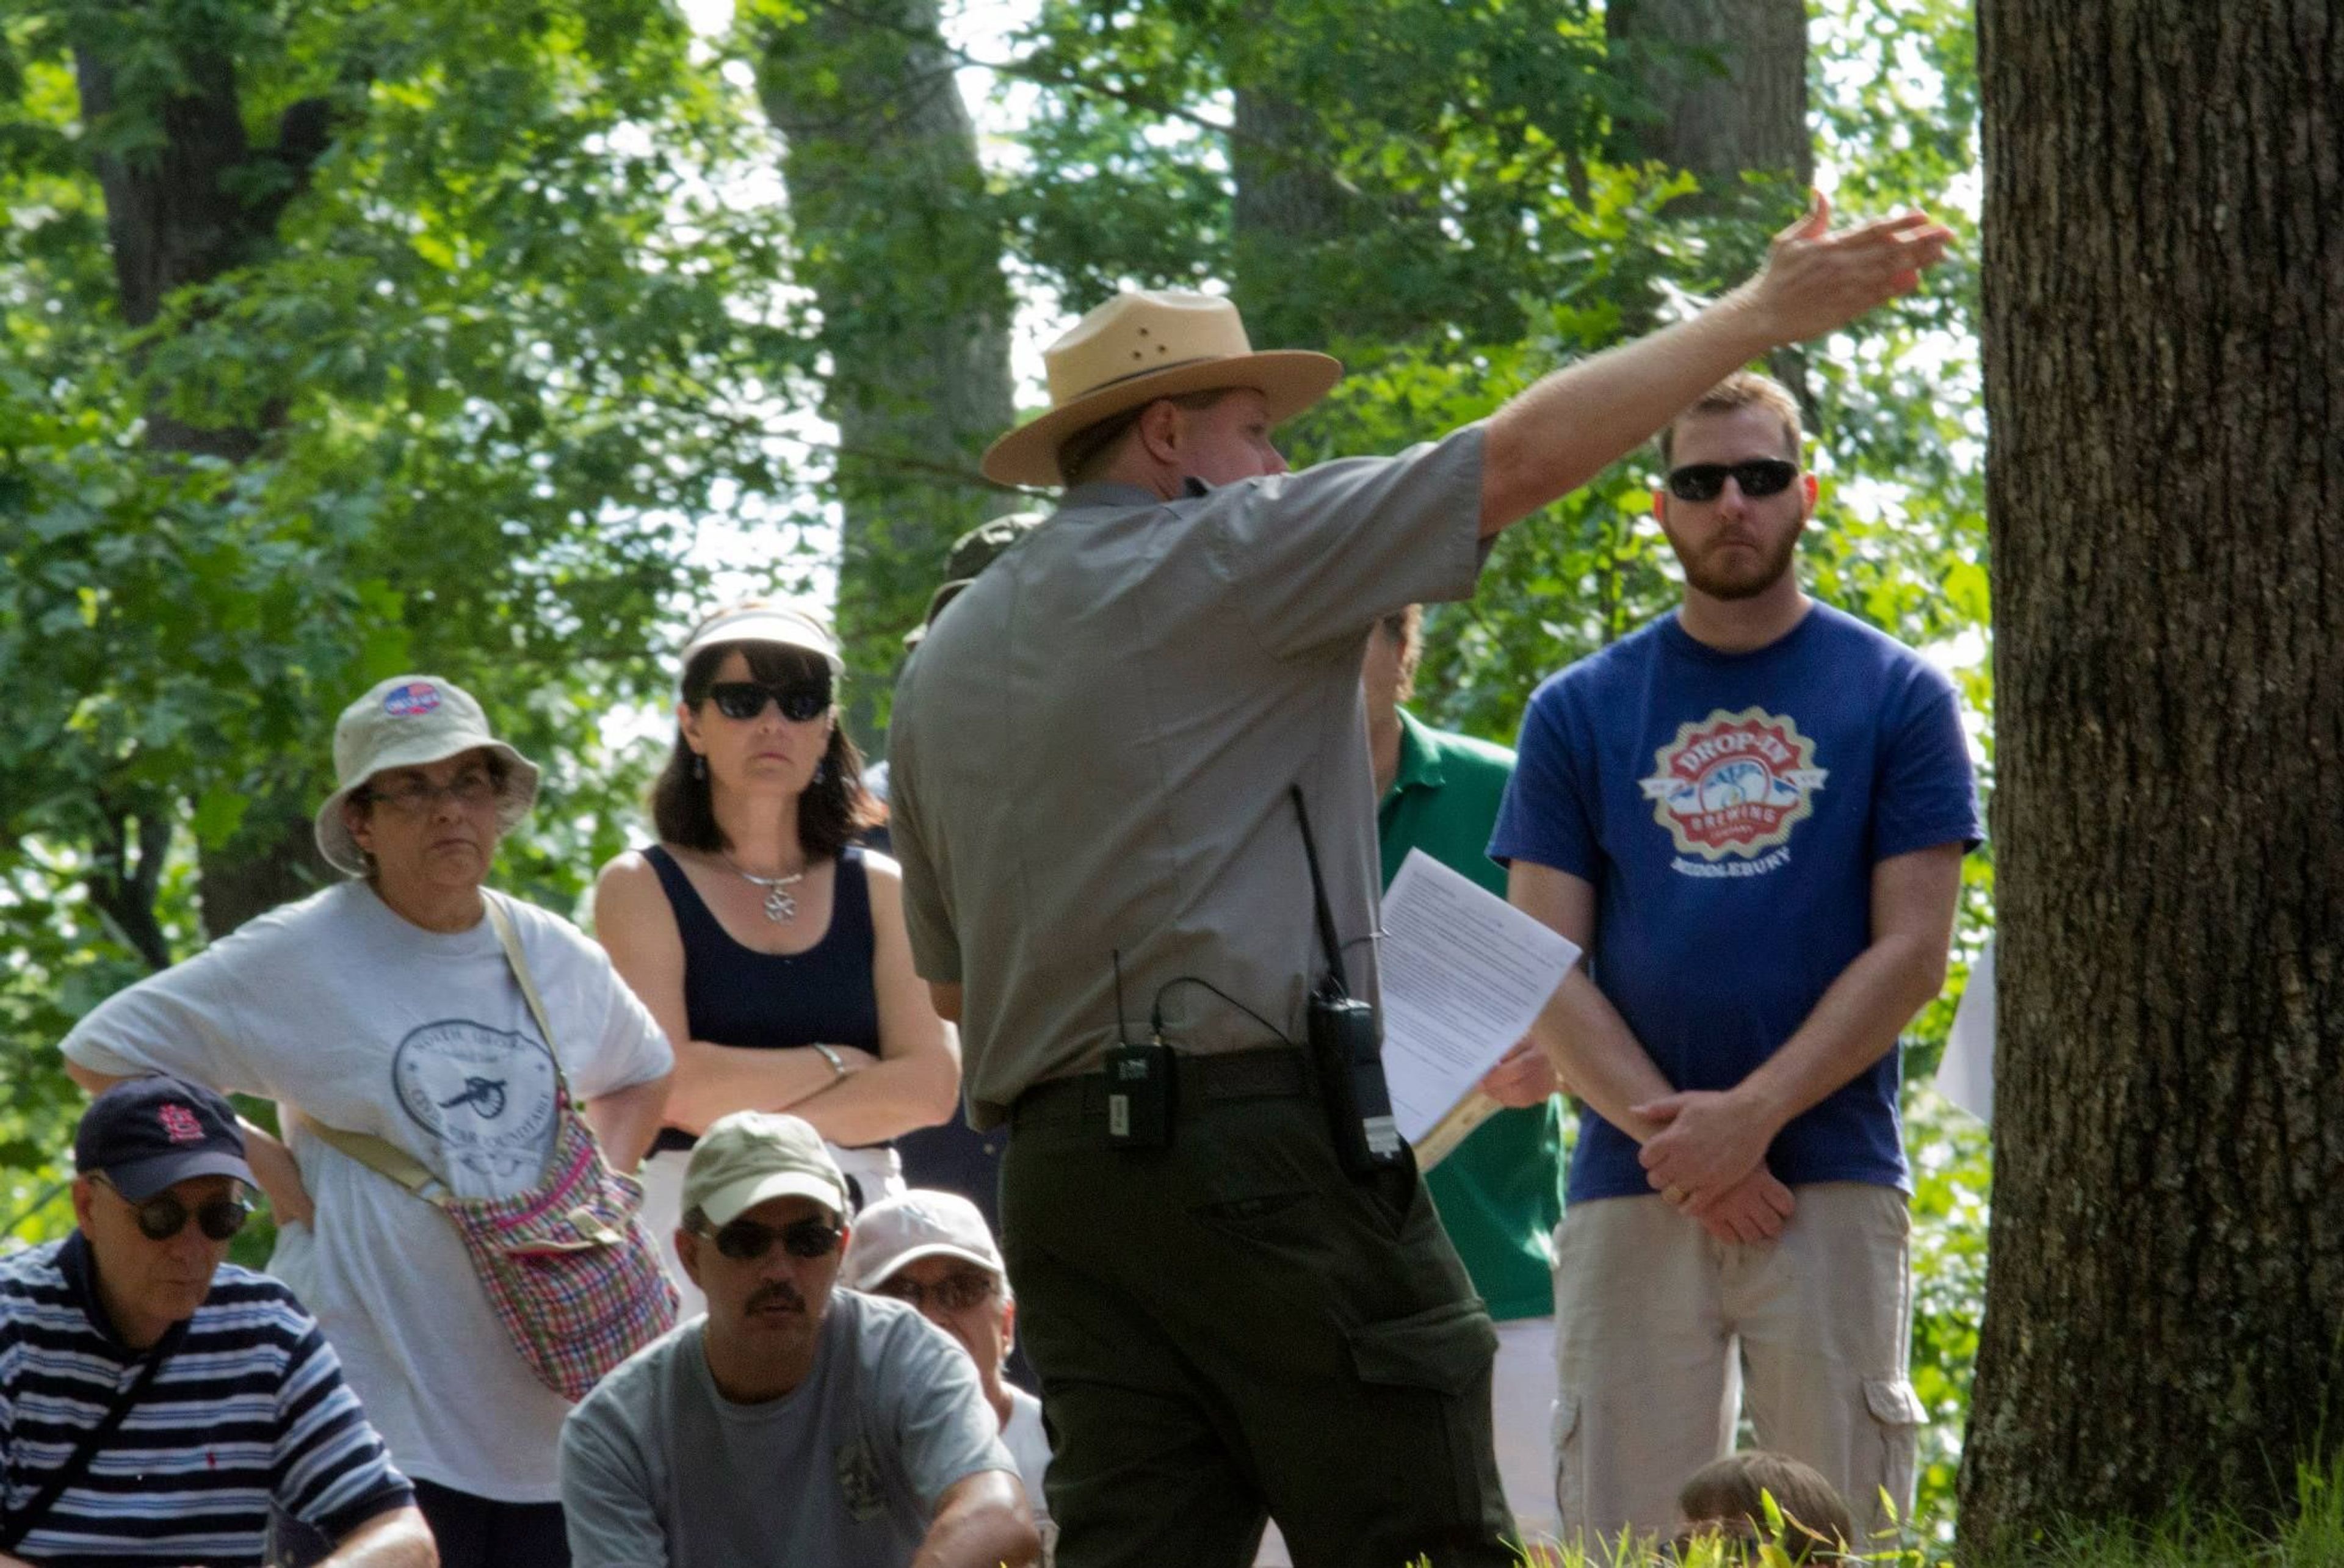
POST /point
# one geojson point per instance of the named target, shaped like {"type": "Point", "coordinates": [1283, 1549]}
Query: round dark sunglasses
{"type": "Point", "coordinates": [162, 1217]}
{"type": "Point", "coordinates": [800, 701]}
{"type": "Point", "coordinates": [745, 1241]}
{"type": "Point", "coordinates": [1758, 477]}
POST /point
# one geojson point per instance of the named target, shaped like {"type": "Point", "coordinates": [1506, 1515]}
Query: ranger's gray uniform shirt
{"type": "Point", "coordinates": [1090, 752]}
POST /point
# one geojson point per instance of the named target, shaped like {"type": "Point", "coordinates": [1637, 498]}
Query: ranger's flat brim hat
{"type": "Point", "coordinates": [411, 722]}
{"type": "Point", "coordinates": [1142, 345]}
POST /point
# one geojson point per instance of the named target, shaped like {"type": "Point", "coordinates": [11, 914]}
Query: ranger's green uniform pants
{"type": "Point", "coordinates": [1234, 1324]}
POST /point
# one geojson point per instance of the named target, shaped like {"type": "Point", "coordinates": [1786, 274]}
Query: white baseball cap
{"type": "Point", "coordinates": [407, 722]}
{"type": "Point", "coordinates": [921, 1223]}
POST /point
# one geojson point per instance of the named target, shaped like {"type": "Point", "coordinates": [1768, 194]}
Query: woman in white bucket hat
{"type": "Point", "coordinates": [769, 944]}
{"type": "Point", "coordinates": [385, 1005]}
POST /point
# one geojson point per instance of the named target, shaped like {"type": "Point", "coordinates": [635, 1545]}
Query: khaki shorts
{"type": "Point", "coordinates": [1660, 1331]}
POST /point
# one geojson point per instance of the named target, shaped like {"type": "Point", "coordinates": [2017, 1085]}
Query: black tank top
{"type": "Point", "coordinates": [736, 996]}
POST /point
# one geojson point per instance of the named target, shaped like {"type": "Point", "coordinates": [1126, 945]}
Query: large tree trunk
{"type": "Point", "coordinates": [902, 248]}
{"type": "Point", "coordinates": [1725, 85]}
{"type": "Point", "coordinates": [2164, 307]}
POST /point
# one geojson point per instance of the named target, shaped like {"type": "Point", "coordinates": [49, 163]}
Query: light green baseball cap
{"type": "Point", "coordinates": [751, 1155]}
{"type": "Point", "coordinates": [406, 722]}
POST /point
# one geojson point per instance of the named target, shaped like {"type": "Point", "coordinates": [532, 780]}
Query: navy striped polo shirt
{"type": "Point", "coordinates": [248, 1412]}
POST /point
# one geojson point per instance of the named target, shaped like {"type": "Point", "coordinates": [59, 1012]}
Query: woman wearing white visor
{"type": "Point", "coordinates": [770, 948]}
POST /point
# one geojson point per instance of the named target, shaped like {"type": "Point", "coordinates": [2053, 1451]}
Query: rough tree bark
{"type": "Point", "coordinates": [900, 245]}
{"type": "Point", "coordinates": [201, 201]}
{"type": "Point", "coordinates": [2164, 307]}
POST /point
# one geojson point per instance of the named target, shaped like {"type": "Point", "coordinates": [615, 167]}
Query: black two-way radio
{"type": "Point", "coordinates": [1139, 1082]}
{"type": "Point", "coordinates": [1346, 1044]}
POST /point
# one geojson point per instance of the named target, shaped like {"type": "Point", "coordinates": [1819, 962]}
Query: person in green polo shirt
{"type": "Point", "coordinates": [1499, 1193]}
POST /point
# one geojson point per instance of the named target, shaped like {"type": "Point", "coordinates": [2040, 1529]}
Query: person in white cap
{"type": "Point", "coordinates": [771, 946]}
{"type": "Point", "coordinates": [386, 1005]}
{"type": "Point", "coordinates": [1237, 1295]}
{"type": "Point", "coordinates": [934, 1250]}
{"type": "Point", "coordinates": [795, 1422]}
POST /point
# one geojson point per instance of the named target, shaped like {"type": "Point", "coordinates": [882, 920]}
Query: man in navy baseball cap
{"type": "Point", "coordinates": [147, 1134]}
{"type": "Point", "coordinates": [137, 1334]}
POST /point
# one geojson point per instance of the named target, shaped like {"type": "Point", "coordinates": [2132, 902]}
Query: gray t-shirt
{"type": "Point", "coordinates": [660, 1471]}
{"type": "Point", "coordinates": [1091, 750]}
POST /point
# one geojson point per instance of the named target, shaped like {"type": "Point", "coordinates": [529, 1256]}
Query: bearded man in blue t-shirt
{"type": "Point", "coordinates": [1752, 815]}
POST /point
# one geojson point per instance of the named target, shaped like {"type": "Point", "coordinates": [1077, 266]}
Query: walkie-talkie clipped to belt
{"type": "Point", "coordinates": [1346, 1044]}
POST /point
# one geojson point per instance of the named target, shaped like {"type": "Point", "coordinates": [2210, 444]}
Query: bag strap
{"type": "Point", "coordinates": [381, 1154]}
{"type": "Point", "coordinates": [510, 943]}
{"type": "Point", "coordinates": [23, 1524]}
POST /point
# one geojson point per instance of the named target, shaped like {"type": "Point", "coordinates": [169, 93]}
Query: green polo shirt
{"type": "Point", "coordinates": [1499, 1194]}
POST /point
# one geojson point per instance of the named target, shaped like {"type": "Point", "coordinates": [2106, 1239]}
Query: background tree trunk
{"type": "Point", "coordinates": [902, 247]}
{"type": "Point", "coordinates": [179, 214]}
{"type": "Point", "coordinates": [1284, 208]}
{"type": "Point", "coordinates": [2164, 303]}
{"type": "Point", "coordinates": [1726, 82]}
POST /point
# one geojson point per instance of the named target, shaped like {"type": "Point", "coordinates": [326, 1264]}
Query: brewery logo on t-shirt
{"type": "Point", "coordinates": [487, 1095]}
{"type": "Point", "coordinates": [1734, 784]}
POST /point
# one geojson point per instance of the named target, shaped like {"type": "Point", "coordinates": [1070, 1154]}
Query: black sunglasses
{"type": "Point", "coordinates": [1757, 477]}
{"type": "Point", "coordinates": [162, 1217]}
{"type": "Point", "coordinates": [745, 1241]}
{"type": "Point", "coordinates": [800, 701]}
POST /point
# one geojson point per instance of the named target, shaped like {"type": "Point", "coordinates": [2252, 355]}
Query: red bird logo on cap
{"type": "Point", "coordinates": [179, 1123]}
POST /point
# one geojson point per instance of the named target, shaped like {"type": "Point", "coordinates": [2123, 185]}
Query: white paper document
{"type": "Point", "coordinates": [1464, 973]}
{"type": "Point", "coordinates": [1966, 1072]}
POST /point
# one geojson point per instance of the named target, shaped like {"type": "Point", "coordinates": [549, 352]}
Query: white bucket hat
{"type": "Point", "coordinates": [407, 722]}
{"type": "Point", "coordinates": [1141, 346]}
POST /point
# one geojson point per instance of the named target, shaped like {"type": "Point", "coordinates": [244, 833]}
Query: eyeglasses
{"type": "Point", "coordinates": [473, 787]}
{"type": "Point", "coordinates": [953, 1293]}
{"type": "Point", "coordinates": [745, 1241]}
{"type": "Point", "coordinates": [1758, 477]}
{"type": "Point", "coordinates": [162, 1217]}
{"type": "Point", "coordinates": [800, 701]}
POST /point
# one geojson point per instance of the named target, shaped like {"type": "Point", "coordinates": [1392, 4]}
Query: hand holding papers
{"type": "Point", "coordinates": [1464, 974]}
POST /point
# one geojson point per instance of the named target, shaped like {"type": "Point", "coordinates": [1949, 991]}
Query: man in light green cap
{"type": "Point", "coordinates": [970, 553]}
{"type": "Point", "coordinates": [795, 1422]}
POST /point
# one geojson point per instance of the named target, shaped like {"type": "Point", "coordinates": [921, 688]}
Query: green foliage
{"type": "Point", "coordinates": [487, 354]}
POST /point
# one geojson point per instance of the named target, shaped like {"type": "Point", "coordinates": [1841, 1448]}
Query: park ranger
{"type": "Point", "coordinates": [1233, 1286]}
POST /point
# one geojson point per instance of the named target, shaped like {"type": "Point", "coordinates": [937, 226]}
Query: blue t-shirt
{"type": "Point", "coordinates": [1728, 809]}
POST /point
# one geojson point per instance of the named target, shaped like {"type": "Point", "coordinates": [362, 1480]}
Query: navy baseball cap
{"type": "Point", "coordinates": [145, 1133]}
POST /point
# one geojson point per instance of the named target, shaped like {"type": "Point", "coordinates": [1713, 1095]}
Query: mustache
{"type": "Point", "coordinates": [780, 1291]}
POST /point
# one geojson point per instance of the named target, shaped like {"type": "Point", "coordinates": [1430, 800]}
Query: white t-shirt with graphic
{"type": "Point", "coordinates": [369, 1023]}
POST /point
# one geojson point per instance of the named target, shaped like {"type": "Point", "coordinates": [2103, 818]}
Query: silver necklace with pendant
{"type": "Point", "coordinates": [780, 905]}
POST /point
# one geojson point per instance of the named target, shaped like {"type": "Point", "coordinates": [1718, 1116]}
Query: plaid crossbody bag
{"type": "Point", "coordinates": [569, 1267]}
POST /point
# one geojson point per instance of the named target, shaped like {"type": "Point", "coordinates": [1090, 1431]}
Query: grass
{"type": "Point", "coordinates": [2313, 1537]}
